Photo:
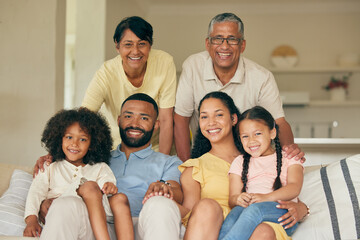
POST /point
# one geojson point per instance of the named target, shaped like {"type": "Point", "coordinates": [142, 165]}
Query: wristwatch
{"type": "Point", "coordinates": [165, 182]}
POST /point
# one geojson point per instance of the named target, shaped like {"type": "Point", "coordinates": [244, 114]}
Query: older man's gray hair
{"type": "Point", "coordinates": [226, 17]}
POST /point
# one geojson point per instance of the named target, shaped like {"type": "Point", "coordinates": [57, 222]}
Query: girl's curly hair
{"type": "Point", "coordinates": [201, 144]}
{"type": "Point", "coordinates": [90, 122]}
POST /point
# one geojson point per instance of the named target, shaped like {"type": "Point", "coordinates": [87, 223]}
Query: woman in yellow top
{"type": "Point", "coordinates": [137, 69]}
{"type": "Point", "coordinates": [205, 180]}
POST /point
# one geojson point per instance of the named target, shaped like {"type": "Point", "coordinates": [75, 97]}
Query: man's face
{"type": "Point", "coordinates": [137, 122]}
{"type": "Point", "coordinates": [225, 57]}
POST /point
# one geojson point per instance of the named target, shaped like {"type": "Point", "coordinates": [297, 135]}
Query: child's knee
{"type": "Point", "coordinates": [119, 199]}
{"type": "Point", "coordinates": [89, 189]}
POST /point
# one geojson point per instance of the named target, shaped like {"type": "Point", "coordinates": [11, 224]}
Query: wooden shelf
{"type": "Point", "coordinates": [328, 103]}
{"type": "Point", "coordinates": [328, 142]}
{"type": "Point", "coordinates": [334, 69]}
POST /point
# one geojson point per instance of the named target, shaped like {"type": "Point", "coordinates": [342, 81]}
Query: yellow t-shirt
{"type": "Point", "coordinates": [110, 87]}
{"type": "Point", "coordinates": [212, 174]}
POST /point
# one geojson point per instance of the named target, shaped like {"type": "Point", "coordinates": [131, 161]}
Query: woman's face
{"type": "Point", "coordinates": [215, 120]}
{"type": "Point", "coordinates": [133, 51]}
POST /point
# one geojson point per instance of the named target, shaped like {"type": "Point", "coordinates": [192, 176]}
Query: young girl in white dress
{"type": "Point", "coordinates": [79, 141]}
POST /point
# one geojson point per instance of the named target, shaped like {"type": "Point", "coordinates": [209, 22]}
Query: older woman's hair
{"type": "Point", "coordinates": [141, 28]}
{"type": "Point", "coordinates": [226, 17]}
{"type": "Point", "coordinates": [201, 144]}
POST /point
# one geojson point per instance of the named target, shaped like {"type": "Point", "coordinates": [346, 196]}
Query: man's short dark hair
{"type": "Point", "coordinates": [141, 28]}
{"type": "Point", "coordinates": [143, 97]}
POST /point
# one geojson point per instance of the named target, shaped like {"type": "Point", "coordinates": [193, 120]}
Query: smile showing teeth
{"type": "Point", "coordinates": [73, 151]}
{"type": "Point", "coordinates": [135, 58]}
{"type": "Point", "coordinates": [135, 133]}
{"type": "Point", "coordinates": [224, 54]}
{"type": "Point", "coordinates": [214, 130]}
{"type": "Point", "coordinates": [254, 148]}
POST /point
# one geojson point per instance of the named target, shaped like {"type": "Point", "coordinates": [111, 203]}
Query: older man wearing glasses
{"type": "Point", "coordinates": [222, 68]}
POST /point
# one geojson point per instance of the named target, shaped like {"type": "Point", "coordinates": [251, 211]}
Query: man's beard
{"type": "Point", "coordinates": [135, 142]}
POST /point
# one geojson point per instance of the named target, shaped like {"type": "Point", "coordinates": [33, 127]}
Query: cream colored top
{"type": "Point", "coordinates": [62, 178]}
{"type": "Point", "coordinates": [252, 85]}
{"type": "Point", "coordinates": [110, 87]}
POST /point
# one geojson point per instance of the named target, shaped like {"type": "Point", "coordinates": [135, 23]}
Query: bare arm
{"type": "Point", "coordinates": [166, 130]}
{"type": "Point", "coordinates": [287, 140]}
{"type": "Point", "coordinates": [182, 136]}
{"type": "Point", "coordinates": [285, 193]}
{"type": "Point", "coordinates": [235, 189]}
{"type": "Point", "coordinates": [191, 190]}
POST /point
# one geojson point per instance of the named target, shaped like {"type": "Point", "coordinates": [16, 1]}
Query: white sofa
{"type": "Point", "coordinates": [331, 192]}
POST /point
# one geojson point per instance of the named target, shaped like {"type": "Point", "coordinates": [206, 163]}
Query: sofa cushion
{"type": "Point", "coordinates": [12, 204]}
{"type": "Point", "coordinates": [332, 194]}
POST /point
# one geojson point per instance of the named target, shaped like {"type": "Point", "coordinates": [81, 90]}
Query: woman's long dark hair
{"type": "Point", "coordinates": [262, 115]}
{"type": "Point", "coordinates": [201, 144]}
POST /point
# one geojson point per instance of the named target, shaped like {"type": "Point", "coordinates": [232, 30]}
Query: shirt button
{"type": "Point", "coordinates": [76, 169]}
{"type": "Point", "coordinates": [75, 175]}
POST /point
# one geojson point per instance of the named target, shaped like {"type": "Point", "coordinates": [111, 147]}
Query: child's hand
{"type": "Point", "coordinates": [257, 197]}
{"type": "Point", "coordinates": [33, 228]}
{"type": "Point", "coordinates": [158, 189]}
{"type": "Point", "coordinates": [244, 199]}
{"type": "Point", "coordinates": [109, 188]}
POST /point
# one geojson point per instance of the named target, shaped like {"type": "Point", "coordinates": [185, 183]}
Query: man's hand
{"type": "Point", "coordinates": [293, 150]}
{"type": "Point", "coordinates": [33, 228]}
{"type": "Point", "coordinates": [158, 189]}
{"type": "Point", "coordinates": [44, 208]}
{"type": "Point", "coordinates": [39, 165]}
{"type": "Point", "coordinates": [296, 212]}
{"type": "Point", "coordinates": [109, 188]}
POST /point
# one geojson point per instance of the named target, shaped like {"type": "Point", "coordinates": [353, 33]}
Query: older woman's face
{"type": "Point", "coordinates": [216, 121]}
{"type": "Point", "coordinates": [133, 51]}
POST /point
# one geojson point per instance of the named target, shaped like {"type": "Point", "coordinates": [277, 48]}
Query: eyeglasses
{"type": "Point", "coordinates": [220, 40]}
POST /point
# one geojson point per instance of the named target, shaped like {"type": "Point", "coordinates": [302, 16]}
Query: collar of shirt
{"type": "Point", "coordinates": [143, 153]}
{"type": "Point", "coordinates": [209, 73]}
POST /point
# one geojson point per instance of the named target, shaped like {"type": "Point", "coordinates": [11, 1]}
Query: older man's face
{"type": "Point", "coordinates": [225, 57]}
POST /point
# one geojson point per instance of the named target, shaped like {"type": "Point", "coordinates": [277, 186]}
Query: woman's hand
{"type": "Point", "coordinates": [158, 189]}
{"type": "Point", "coordinates": [33, 228]}
{"type": "Point", "coordinates": [109, 188]}
{"type": "Point", "coordinates": [296, 212]}
{"type": "Point", "coordinates": [39, 165]}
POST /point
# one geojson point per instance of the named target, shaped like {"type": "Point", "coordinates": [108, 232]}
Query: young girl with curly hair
{"type": "Point", "coordinates": [259, 177]}
{"type": "Point", "coordinates": [79, 141]}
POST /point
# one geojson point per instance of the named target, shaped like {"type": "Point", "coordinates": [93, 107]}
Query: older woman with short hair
{"type": "Point", "coordinates": [137, 69]}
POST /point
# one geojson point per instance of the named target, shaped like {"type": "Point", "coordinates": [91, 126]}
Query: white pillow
{"type": "Point", "coordinates": [332, 194]}
{"type": "Point", "coordinates": [12, 204]}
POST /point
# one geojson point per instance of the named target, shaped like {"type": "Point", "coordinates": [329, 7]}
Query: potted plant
{"type": "Point", "coordinates": [338, 87]}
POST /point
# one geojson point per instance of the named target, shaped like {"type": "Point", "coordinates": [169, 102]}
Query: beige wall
{"type": "Point", "coordinates": [319, 32]}
{"type": "Point", "coordinates": [31, 74]}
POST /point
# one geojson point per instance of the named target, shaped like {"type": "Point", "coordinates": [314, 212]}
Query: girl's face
{"type": "Point", "coordinates": [75, 144]}
{"type": "Point", "coordinates": [133, 51]}
{"type": "Point", "coordinates": [215, 120]}
{"type": "Point", "coordinates": [256, 137]}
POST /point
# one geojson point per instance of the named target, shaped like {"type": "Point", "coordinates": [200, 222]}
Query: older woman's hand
{"type": "Point", "coordinates": [296, 212]}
